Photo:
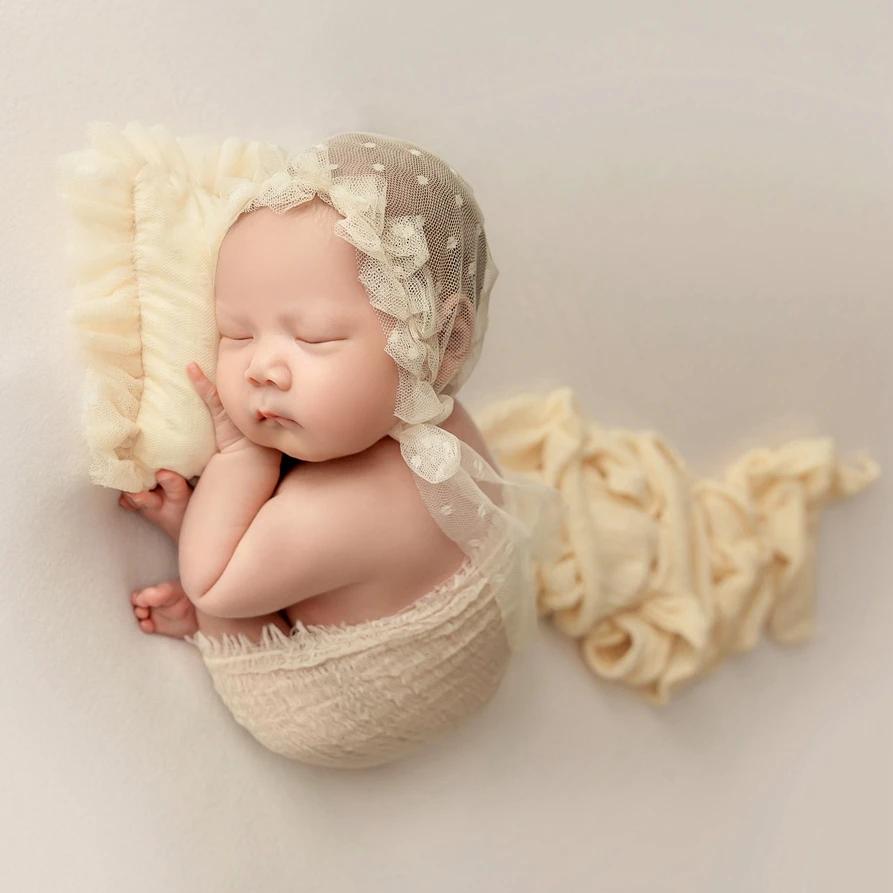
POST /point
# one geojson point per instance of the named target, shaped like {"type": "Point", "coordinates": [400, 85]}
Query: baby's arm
{"type": "Point", "coordinates": [231, 491]}
{"type": "Point", "coordinates": [303, 542]}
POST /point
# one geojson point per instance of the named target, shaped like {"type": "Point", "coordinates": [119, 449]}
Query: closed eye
{"type": "Point", "coordinates": [300, 340]}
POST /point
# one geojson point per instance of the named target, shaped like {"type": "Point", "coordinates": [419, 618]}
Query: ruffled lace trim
{"type": "Point", "coordinates": [113, 189]}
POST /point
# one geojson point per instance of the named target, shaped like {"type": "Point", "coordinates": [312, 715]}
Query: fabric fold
{"type": "Point", "coordinates": [660, 576]}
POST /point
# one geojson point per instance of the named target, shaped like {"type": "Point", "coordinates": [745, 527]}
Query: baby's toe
{"type": "Point", "coordinates": [147, 626]}
{"type": "Point", "coordinates": [150, 597]}
{"type": "Point", "coordinates": [160, 596]}
{"type": "Point", "coordinates": [141, 613]}
{"type": "Point", "coordinates": [147, 500]}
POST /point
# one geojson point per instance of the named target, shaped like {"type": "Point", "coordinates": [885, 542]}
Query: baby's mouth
{"type": "Point", "coordinates": [264, 416]}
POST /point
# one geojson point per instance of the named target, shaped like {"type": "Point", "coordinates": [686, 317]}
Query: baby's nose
{"type": "Point", "coordinates": [275, 375]}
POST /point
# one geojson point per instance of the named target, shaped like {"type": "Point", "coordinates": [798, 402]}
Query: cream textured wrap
{"type": "Point", "coordinates": [661, 576]}
{"type": "Point", "coordinates": [363, 695]}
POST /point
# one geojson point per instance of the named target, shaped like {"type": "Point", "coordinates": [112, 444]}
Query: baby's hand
{"type": "Point", "coordinates": [229, 438]}
{"type": "Point", "coordinates": [164, 505]}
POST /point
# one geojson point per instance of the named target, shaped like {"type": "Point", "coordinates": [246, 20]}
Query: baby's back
{"type": "Point", "coordinates": [401, 552]}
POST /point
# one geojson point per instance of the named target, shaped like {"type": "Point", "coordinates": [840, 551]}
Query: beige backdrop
{"type": "Point", "coordinates": [692, 208]}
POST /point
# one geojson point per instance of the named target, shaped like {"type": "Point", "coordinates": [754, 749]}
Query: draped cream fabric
{"type": "Point", "coordinates": [661, 575]}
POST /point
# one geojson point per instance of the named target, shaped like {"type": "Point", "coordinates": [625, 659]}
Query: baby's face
{"type": "Point", "coordinates": [299, 337]}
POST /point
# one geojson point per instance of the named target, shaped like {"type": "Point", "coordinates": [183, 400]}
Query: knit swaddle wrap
{"type": "Point", "coordinates": [355, 696]}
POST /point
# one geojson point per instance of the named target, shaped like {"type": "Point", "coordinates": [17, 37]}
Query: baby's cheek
{"type": "Point", "coordinates": [379, 378]}
{"type": "Point", "coordinates": [351, 392]}
{"type": "Point", "coordinates": [362, 398]}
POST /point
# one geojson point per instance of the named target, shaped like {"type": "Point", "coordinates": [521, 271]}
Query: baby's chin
{"type": "Point", "coordinates": [309, 445]}
{"type": "Point", "coordinates": [295, 442]}
{"type": "Point", "coordinates": [317, 453]}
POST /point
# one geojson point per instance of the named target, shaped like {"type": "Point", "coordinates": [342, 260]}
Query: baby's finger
{"type": "Point", "coordinates": [197, 377]}
{"type": "Point", "coordinates": [204, 386]}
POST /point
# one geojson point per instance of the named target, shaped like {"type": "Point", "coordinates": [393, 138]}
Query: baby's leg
{"type": "Point", "coordinates": [165, 609]}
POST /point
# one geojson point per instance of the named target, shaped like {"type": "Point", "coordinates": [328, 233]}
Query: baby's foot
{"type": "Point", "coordinates": [164, 505]}
{"type": "Point", "coordinates": [165, 609]}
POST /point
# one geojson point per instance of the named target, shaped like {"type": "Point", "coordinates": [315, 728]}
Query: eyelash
{"type": "Point", "coordinates": [304, 340]}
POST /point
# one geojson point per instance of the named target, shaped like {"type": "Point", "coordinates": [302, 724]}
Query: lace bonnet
{"type": "Point", "coordinates": [423, 258]}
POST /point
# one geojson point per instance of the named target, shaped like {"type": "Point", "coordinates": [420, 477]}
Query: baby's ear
{"type": "Point", "coordinates": [457, 314]}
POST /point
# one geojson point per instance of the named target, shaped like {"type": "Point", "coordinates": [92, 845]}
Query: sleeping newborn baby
{"type": "Point", "coordinates": [354, 568]}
